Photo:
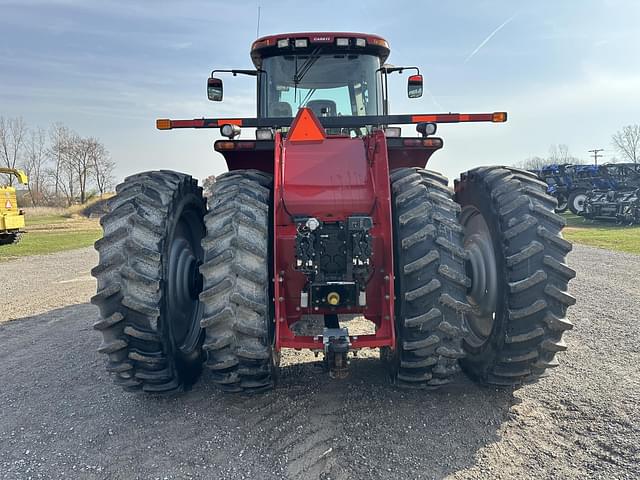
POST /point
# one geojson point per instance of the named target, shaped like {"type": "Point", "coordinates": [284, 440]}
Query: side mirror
{"type": "Point", "coordinates": [214, 89]}
{"type": "Point", "coordinates": [414, 86]}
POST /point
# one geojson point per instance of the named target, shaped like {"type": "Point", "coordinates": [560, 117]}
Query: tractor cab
{"type": "Point", "coordinates": [332, 74]}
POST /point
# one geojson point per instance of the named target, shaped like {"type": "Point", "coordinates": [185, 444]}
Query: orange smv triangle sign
{"type": "Point", "coordinates": [8, 205]}
{"type": "Point", "coordinates": [306, 128]}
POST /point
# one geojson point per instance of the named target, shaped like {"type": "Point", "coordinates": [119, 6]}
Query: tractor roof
{"type": "Point", "coordinates": [307, 42]}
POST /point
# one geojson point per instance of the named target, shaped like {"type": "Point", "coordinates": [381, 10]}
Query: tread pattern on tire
{"type": "Point", "coordinates": [537, 276]}
{"type": "Point", "coordinates": [430, 278]}
{"type": "Point", "coordinates": [236, 298]}
{"type": "Point", "coordinates": [129, 277]}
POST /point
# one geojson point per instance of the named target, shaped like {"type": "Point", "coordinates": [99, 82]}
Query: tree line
{"type": "Point", "coordinates": [626, 142]}
{"type": "Point", "coordinates": [63, 167]}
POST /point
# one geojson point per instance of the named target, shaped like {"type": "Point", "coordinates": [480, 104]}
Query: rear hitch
{"type": "Point", "coordinates": [336, 347]}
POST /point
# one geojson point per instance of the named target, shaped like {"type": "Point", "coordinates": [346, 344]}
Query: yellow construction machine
{"type": "Point", "coordinates": [11, 217]}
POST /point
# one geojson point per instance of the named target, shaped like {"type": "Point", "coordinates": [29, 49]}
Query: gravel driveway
{"type": "Point", "coordinates": [61, 417]}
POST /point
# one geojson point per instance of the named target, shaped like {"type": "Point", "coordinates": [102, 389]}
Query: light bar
{"type": "Point", "coordinates": [342, 42]}
{"type": "Point", "coordinates": [283, 43]}
{"type": "Point", "coordinates": [345, 121]}
{"type": "Point", "coordinates": [300, 43]}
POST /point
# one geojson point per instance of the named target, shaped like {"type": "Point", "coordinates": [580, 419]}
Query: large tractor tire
{"type": "Point", "coordinates": [517, 265]}
{"type": "Point", "coordinates": [238, 311]}
{"type": "Point", "coordinates": [10, 238]}
{"type": "Point", "coordinates": [148, 282]}
{"type": "Point", "coordinates": [576, 201]}
{"type": "Point", "coordinates": [430, 280]}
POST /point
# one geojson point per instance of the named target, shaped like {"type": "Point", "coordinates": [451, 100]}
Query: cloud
{"type": "Point", "coordinates": [181, 45]}
{"type": "Point", "coordinates": [490, 36]}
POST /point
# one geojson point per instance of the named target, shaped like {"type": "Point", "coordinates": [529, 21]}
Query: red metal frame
{"type": "Point", "coordinates": [332, 179]}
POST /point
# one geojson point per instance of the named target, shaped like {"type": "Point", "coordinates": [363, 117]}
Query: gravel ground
{"type": "Point", "coordinates": [41, 283]}
{"type": "Point", "coordinates": [61, 417]}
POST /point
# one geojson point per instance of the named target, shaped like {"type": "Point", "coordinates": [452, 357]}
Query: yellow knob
{"type": "Point", "coordinates": [333, 298]}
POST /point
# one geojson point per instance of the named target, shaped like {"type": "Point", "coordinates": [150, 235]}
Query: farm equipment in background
{"type": "Point", "coordinates": [330, 211]}
{"type": "Point", "coordinates": [621, 202]}
{"type": "Point", "coordinates": [558, 183]}
{"type": "Point", "coordinates": [11, 217]}
{"type": "Point", "coordinates": [570, 184]}
{"type": "Point", "coordinates": [585, 178]}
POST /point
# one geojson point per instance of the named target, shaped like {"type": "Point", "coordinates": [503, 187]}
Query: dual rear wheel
{"type": "Point", "coordinates": [481, 280]}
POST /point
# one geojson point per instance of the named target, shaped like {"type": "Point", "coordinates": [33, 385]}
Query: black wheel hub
{"type": "Point", "coordinates": [184, 282]}
{"type": "Point", "coordinates": [482, 270]}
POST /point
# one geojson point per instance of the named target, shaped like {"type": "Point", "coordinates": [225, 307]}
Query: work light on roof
{"type": "Point", "coordinates": [361, 42]}
{"type": "Point", "coordinates": [300, 43]}
{"type": "Point", "coordinates": [283, 43]}
{"type": "Point", "coordinates": [342, 42]}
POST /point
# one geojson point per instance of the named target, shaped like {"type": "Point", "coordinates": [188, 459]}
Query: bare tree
{"type": "Point", "coordinates": [35, 165]}
{"type": "Point", "coordinates": [627, 142]}
{"type": "Point", "coordinates": [80, 151]}
{"type": "Point", "coordinates": [533, 163]}
{"type": "Point", "coordinates": [12, 136]}
{"type": "Point", "coordinates": [103, 167]}
{"type": "Point", "coordinates": [59, 137]}
{"type": "Point", "coordinates": [558, 154]}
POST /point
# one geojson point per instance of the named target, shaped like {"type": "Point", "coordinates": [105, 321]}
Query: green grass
{"type": "Point", "coordinates": [40, 242]}
{"type": "Point", "coordinates": [52, 230]}
{"type": "Point", "coordinates": [44, 219]}
{"type": "Point", "coordinates": [602, 234]}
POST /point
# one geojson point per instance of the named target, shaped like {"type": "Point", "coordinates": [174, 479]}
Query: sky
{"type": "Point", "coordinates": [568, 72]}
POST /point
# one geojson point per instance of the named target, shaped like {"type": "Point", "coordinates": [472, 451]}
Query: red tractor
{"type": "Point", "coordinates": [329, 211]}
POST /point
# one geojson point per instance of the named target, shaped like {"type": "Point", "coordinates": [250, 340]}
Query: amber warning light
{"type": "Point", "coordinates": [163, 124]}
{"type": "Point", "coordinates": [499, 117]}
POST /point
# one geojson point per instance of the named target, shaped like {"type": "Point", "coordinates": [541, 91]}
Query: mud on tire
{"type": "Point", "coordinates": [430, 279]}
{"type": "Point", "coordinates": [238, 316]}
{"type": "Point", "coordinates": [520, 341]}
{"type": "Point", "coordinates": [148, 282]}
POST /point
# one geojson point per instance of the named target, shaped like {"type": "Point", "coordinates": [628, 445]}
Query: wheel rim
{"type": "Point", "coordinates": [184, 282]}
{"type": "Point", "coordinates": [562, 202]}
{"type": "Point", "coordinates": [482, 270]}
{"type": "Point", "coordinates": [578, 202]}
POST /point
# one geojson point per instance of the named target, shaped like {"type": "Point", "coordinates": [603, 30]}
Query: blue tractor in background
{"type": "Point", "coordinates": [570, 184]}
{"type": "Point", "coordinates": [585, 178]}
{"type": "Point", "coordinates": [558, 183]}
{"type": "Point", "coordinates": [619, 200]}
